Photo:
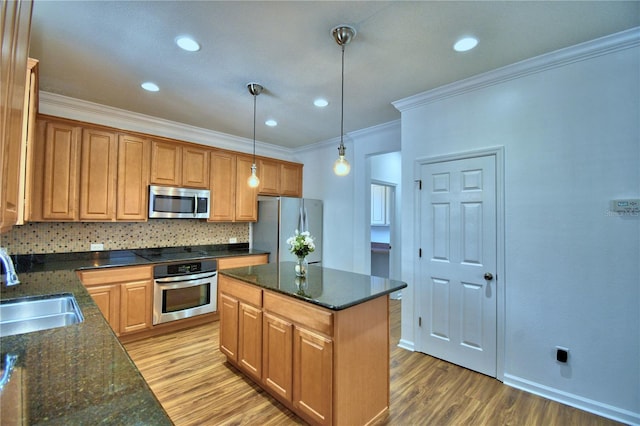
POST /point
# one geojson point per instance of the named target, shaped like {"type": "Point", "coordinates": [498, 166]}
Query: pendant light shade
{"type": "Point", "coordinates": [255, 89]}
{"type": "Point", "coordinates": [342, 34]}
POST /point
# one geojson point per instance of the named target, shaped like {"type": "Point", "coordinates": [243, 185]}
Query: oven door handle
{"type": "Point", "coordinates": [183, 278]}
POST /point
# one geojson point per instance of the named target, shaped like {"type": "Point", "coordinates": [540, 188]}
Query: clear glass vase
{"type": "Point", "coordinates": [302, 266]}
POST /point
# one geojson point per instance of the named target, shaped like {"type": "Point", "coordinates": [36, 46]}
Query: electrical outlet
{"type": "Point", "coordinates": [97, 246]}
{"type": "Point", "coordinates": [562, 354]}
{"type": "Point", "coordinates": [233, 240]}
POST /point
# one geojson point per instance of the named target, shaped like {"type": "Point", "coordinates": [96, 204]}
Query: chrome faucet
{"type": "Point", "coordinates": [12, 277]}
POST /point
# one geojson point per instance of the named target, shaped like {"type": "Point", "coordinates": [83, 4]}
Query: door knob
{"type": "Point", "coordinates": [488, 276]}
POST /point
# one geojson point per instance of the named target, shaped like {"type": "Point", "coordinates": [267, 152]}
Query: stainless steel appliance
{"type": "Point", "coordinates": [278, 219]}
{"type": "Point", "coordinates": [180, 203]}
{"type": "Point", "coordinates": [184, 289]}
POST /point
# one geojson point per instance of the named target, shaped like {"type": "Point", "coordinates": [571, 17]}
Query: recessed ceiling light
{"type": "Point", "coordinates": [321, 103]}
{"type": "Point", "coordinates": [465, 44]}
{"type": "Point", "coordinates": [151, 87]}
{"type": "Point", "coordinates": [187, 43]}
{"type": "Point", "coordinates": [271, 123]}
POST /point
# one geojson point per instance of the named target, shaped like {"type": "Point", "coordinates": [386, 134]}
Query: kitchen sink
{"type": "Point", "coordinates": [28, 314]}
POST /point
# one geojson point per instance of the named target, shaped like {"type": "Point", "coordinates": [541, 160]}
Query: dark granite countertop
{"type": "Point", "coordinates": [81, 374]}
{"type": "Point", "coordinates": [329, 288]}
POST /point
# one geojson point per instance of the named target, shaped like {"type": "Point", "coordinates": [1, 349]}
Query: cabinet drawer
{"type": "Point", "coordinates": [240, 261]}
{"type": "Point", "coordinates": [114, 275]}
{"type": "Point", "coordinates": [299, 312]}
{"type": "Point", "coordinates": [245, 292]}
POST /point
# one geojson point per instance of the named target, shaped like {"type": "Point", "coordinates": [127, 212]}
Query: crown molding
{"type": "Point", "coordinates": [77, 109]}
{"type": "Point", "coordinates": [580, 52]}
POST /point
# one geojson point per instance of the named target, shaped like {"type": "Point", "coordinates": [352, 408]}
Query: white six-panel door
{"type": "Point", "coordinates": [457, 301]}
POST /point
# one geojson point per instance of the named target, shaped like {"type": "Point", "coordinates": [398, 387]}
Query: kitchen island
{"type": "Point", "coordinates": [319, 344]}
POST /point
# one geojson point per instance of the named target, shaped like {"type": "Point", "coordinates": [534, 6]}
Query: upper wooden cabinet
{"type": "Point", "coordinates": [232, 200]}
{"type": "Point", "coordinates": [133, 178]}
{"type": "Point", "coordinates": [87, 172]}
{"type": "Point", "coordinates": [195, 167]}
{"type": "Point", "coordinates": [98, 171]}
{"type": "Point", "coordinates": [16, 28]}
{"type": "Point", "coordinates": [175, 164]}
{"type": "Point", "coordinates": [58, 151]}
{"type": "Point", "coordinates": [166, 163]}
{"type": "Point", "coordinates": [279, 178]}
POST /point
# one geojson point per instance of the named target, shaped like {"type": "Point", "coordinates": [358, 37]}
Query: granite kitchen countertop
{"type": "Point", "coordinates": [81, 374]}
{"type": "Point", "coordinates": [330, 288]}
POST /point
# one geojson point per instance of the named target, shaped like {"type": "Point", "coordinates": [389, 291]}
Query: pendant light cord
{"type": "Point", "coordinates": [254, 129]}
{"type": "Point", "coordinates": [342, 103]}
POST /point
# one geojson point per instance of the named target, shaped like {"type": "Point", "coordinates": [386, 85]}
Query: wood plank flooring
{"type": "Point", "coordinates": [196, 386]}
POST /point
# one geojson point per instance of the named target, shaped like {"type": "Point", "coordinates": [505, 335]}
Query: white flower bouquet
{"type": "Point", "coordinates": [301, 244]}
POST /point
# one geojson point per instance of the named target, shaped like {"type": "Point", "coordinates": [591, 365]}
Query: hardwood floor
{"type": "Point", "coordinates": [196, 386]}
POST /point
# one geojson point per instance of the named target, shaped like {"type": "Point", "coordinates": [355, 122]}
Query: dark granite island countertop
{"type": "Point", "coordinates": [330, 288]}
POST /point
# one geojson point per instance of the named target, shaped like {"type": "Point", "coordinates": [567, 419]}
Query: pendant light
{"type": "Point", "coordinates": [342, 34]}
{"type": "Point", "coordinates": [255, 89]}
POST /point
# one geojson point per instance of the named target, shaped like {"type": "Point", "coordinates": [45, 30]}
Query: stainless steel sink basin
{"type": "Point", "coordinates": [37, 313]}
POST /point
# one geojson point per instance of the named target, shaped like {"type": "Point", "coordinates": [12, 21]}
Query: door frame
{"type": "Point", "coordinates": [498, 154]}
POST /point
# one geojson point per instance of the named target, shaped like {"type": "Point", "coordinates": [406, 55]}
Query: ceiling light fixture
{"type": "Point", "coordinates": [255, 89]}
{"type": "Point", "coordinates": [271, 122]}
{"type": "Point", "coordinates": [150, 87]}
{"type": "Point", "coordinates": [465, 44]}
{"type": "Point", "coordinates": [321, 103]}
{"type": "Point", "coordinates": [342, 34]}
{"type": "Point", "coordinates": [187, 43]}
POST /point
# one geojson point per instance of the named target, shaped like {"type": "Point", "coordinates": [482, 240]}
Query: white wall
{"type": "Point", "coordinates": [347, 217]}
{"type": "Point", "coordinates": [569, 124]}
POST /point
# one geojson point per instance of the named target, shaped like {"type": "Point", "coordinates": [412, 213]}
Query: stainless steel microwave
{"type": "Point", "coordinates": [178, 203]}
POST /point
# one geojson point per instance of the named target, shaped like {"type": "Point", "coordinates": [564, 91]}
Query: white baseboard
{"type": "Point", "coordinates": [405, 344]}
{"type": "Point", "coordinates": [566, 398]}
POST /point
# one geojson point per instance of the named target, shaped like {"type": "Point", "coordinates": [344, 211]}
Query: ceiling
{"type": "Point", "coordinates": [101, 51]}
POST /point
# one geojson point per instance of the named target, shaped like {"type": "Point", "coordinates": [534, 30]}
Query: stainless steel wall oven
{"type": "Point", "coordinates": [184, 289]}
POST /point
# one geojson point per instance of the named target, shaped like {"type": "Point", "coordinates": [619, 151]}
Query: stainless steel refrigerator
{"type": "Point", "coordinates": [278, 219]}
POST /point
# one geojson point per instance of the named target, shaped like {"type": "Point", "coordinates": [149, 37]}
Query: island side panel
{"type": "Point", "coordinates": [361, 360]}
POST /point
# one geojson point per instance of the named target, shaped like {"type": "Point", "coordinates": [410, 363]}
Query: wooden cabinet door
{"type": "Point", "coordinates": [16, 20]}
{"type": "Point", "coordinates": [166, 163]}
{"type": "Point", "coordinates": [246, 208]}
{"type": "Point", "coordinates": [107, 297]}
{"type": "Point", "coordinates": [277, 361]}
{"type": "Point", "coordinates": [195, 167]}
{"type": "Point", "coordinates": [98, 168]}
{"type": "Point", "coordinates": [250, 340]}
{"type": "Point", "coordinates": [228, 308]}
{"type": "Point", "coordinates": [136, 302]}
{"type": "Point", "coordinates": [61, 169]}
{"type": "Point", "coordinates": [269, 174]}
{"type": "Point", "coordinates": [291, 180]}
{"type": "Point", "coordinates": [313, 375]}
{"type": "Point", "coordinates": [133, 178]}
{"type": "Point", "coordinates": [223, 187]}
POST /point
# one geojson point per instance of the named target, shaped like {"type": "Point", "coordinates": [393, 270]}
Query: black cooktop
{"type": "Point", "coordinates": [163, 254]}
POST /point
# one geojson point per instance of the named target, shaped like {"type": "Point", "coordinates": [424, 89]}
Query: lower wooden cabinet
{"type": "Point", "coordinates": [250, 340]}
{"type": "Point", "coordinates": [329, 367]}
{"type": "Point", "coordinates": [312, 375]}
{"type": "Point", "coordinates": [107, 297]}
{"type": "Point", "coordinates": [123, 295]}
{"type": "Point", "coordinates": [277, 339]}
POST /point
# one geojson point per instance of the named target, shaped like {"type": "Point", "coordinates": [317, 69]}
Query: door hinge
{"type": "Point", "coordinates": [419, 321]}
{"type": "Point", "coordinates": [419, 252]}
{"type": "Point", "coordinates": [419, 182]}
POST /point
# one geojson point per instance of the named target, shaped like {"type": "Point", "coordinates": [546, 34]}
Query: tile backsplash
{"type": "Point", "coordinates": [63, 237]}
